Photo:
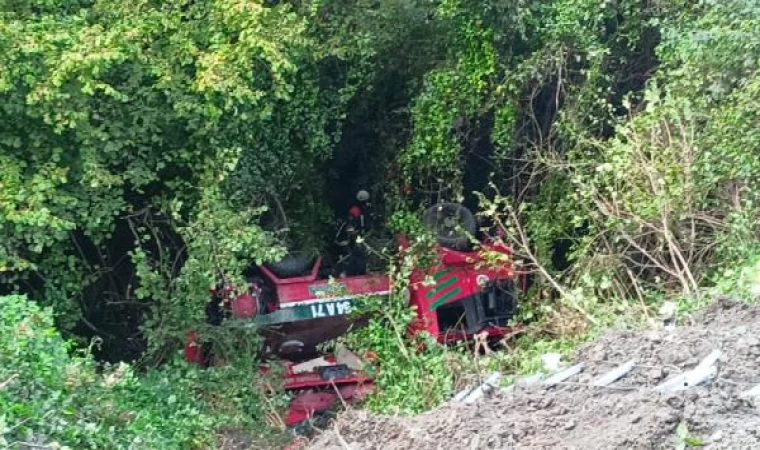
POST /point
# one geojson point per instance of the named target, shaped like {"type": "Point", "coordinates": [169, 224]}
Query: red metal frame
{"type": "Point", "coordinates": [293, 280]}
{"type": "Point", "coordinates": [293, 380]}
{"type": "Point", "coordinates": [457, 276]}
{"type": "Point", "coordinates": [309, 288]}
{"type": "Point", "coordinates": [315, 393]}
{"type": "Point", "coordinates": [463, 271]}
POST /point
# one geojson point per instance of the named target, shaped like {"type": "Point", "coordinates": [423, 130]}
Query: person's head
{"type": "Point", "coordinates": [354, 212]}
{"type": "Point", "coordinates": [362, 195]}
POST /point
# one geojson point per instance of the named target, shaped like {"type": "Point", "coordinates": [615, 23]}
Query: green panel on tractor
{"type": "Point", "coordinates": [318, 310]}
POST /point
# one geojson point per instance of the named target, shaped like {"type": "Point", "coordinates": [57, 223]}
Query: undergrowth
{"type": "Point", "coordinates": [412, 373]}
{"type": "Point", "coordinates": [415, 374]}
{"type": "Point", "coordinates": [51, 398]}
{"type": "Point", "coordinates": [523, 356]}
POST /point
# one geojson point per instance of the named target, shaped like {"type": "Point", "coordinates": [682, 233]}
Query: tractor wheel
{"type": "Point", "coordinates": [452, 223]}
{"type": "Point", "coordinates": [292, 265]}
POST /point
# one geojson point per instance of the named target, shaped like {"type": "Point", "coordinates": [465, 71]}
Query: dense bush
{"type": "Point", "coordinates": [137, 128]}
{"type": "Point", "coordinates": [52, 399]}
{"type": "Point", "coordinates": [144, 145]}
{"type": "Point", "coordinates": [624, 143]}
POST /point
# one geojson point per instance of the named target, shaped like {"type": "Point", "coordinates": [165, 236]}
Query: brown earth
{"type": "Point", "coordinates": [625, 415]}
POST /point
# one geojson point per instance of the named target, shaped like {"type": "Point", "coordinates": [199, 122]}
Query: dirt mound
{"type": "Point", "coordinates": [624, 415]}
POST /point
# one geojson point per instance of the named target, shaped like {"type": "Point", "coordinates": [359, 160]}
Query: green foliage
{"type": "Point", "coordinates": [652, 186]}
{"type": "Point", "coordinates": [50, 397]}
{"type": "Point", "coordinates": [626, 131]}
{"type": "Point", "coordinates": [681, 167]}
{"type": "Point", "coordinates": [220, 245]}
{"type": "Point", "coordinates": [684, 439]}
{"type": "Point", "coordinates": [450, 96]}
{"type": "Point", "coordinates": [742, 281]}
{"type": "Point", "coordinates": [113, 109]}
{"type": "Point", "coordinates": [525, 357]}
{"type": "Point", "coordinates": [412, 374]}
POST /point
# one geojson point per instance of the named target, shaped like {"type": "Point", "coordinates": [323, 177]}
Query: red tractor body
{"type": "Point", "coordinates": [320, 384]}
{"type": "Point", "coordinates": [463, 295]}
{"type": "Point", "coordinates": [455, 298]}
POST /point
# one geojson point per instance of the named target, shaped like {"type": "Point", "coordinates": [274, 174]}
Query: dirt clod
{"type": "Point", "coordinates": [584, 417]}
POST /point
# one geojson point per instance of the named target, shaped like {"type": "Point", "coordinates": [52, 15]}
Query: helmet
{"type": "Point", "coordinates": [244, 306]}
{"type": "Point", "coordinates": [362, 195]}
{"type": "Point", "coordinates": [355, 212]}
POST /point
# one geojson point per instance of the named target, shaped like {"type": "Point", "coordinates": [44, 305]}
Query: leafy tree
{"type": "Point", "coordinates": [186, 112]}
{"type": "Point", "coordinates": [50, 399]}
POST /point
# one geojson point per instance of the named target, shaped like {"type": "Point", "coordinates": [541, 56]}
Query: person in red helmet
{"type": "Point", "coordinates": [353, 260]}
{"type": "Point", "coordinates": [355, 212]}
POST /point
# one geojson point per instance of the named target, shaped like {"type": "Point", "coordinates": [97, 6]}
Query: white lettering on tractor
{"type": "Point", "coordinates": [330, 309]}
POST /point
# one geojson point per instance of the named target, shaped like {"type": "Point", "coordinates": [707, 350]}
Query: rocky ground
{"type": "Point", "coordinates": [624, 415]}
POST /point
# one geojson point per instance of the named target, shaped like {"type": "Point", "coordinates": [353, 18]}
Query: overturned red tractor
{"type": "Point", "coordinates": [456, 297]}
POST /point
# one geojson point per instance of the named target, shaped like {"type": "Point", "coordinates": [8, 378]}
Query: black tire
{"type": "Point", "coordinates": [292, 265]}
{"type": "Point", "coordinates": [452, 223]}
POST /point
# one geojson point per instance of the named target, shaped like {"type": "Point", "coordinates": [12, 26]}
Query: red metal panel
{"type": "Point", "coordinates": [314, 290]}
{"type": "Point", "coordinates": [457, 276]}
{"type": "Point", "coordinates": [304, 279]}
{"type": "Point", "coordinates": [306, 404]}
{"type": "Point", "coordinates": [314, 380]}
{"type": "Point", "coordinates": [193, 350]}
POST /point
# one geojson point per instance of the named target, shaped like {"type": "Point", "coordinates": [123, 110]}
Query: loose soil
{"type": "Point", "coordinates": [625, 415]}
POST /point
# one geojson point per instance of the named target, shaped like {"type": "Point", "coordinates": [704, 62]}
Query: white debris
{"type": "Point", "coordinates": [668, 310]}
{"type": "Point", "coordinates": [704, 371]}
{"type": "Point", "coordinates": [614, 374]}
{"type": "Point", "coordinates": [565, 374]}
{"type": "Point", "coordinates": [481, 390]}
{"type": "Point", "coordinates": [551, 362]}
{"type": "Point", "coordinates": [310, 365]}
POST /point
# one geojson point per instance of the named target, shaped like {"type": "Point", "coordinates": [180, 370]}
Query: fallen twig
{"type": "Point", "coordinates": [336, 430]}
{"type": "Point", "coordinates": [7, 382]}
{"type": "Point", "coordinates": [613, 388]}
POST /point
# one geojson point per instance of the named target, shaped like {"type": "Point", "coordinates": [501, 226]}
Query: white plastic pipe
{"type": "Point", "coordinates": [614, 374]}
{"type": "Point", "coordinates": [481, 390]}
{"type": "Point", "coordinates": [565, 374]}
{"type": "Point", "coordinates": [525, 381]}
{"type": "Point", "coordinates": [463, 393]}
{"type": "Point", "coordinates": [703, 372]}
{"type": "Point", "coordinates": [709, 360]}
{"type": "Point", "coordinates": [687, 379]}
